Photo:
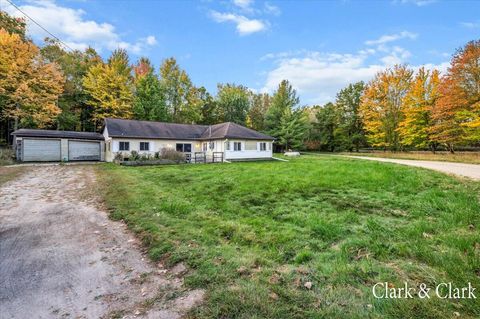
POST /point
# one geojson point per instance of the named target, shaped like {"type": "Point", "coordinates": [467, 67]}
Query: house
{"type": "Point", "coordinates": [229, 141]}
{"type": "Point", "coordinates": [54, 146]}
{"type": "Point", "coordinates": [233, 141]}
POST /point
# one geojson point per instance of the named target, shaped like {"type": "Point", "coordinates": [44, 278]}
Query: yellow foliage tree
{"type": "Point", "coordinates": [29, 87]}
{"type": "Point", "coordinates": [417, 110]}
{"type": "Point", "coordinates": [110, 87]}
{"type": "Point", "coordinates": [381, 106]}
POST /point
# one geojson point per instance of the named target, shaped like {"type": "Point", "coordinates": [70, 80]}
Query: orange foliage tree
{"type": "Point", "coordinates": [457, 113]}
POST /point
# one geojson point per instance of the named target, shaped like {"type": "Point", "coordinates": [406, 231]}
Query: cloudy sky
{"type": "Point", "coordinates": [320, 46]}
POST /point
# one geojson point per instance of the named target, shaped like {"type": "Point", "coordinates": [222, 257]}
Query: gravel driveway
{"type": "Point", "coordinates": [61, 257]}
{"type": "Point", "coordinates": [461, 169]}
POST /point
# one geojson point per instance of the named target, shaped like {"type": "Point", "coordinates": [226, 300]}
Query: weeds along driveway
{"type": "Point", "coordinates": [60, 255]}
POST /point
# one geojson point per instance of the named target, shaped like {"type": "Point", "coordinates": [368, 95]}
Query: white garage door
{"type": "Point", "coordinates": [83, 151]}
{"type": "Point", "coordinates": [41, 150]}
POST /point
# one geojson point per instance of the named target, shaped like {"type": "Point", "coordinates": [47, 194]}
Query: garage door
{"type": "Point", "coordinates": [41, 150]}
{"type": "Point", "coordinates": [83, 151]}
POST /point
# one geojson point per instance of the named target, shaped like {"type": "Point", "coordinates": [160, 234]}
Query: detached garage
{"type": "Point", "coordinates": [55, 146]}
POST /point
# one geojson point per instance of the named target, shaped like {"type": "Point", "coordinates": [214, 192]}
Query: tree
{"type": "Point", "coordinates": [292, 130]}
{"type": "Point", "coordinates": [75, 114]}
{"type": "Point", "coordinates": [29, 87]}
{"type": "Point", "coordinates": [256, 115]}
{"type": "Point", "coordinates": [208, 107]}
{"type": "Point", "coordinates": [176, 85]}
{"type": "Point", "coordinates": [457, 113]}
{"type": "Point", "coordinates": [351, 134]}
{"type": "Point", "coordinates": [327, 126]}
{"type": "Point", "coordinates": [284, 98]}
{"type": "Point", "coordinates": [233, 103]}
{"type": "Point", "coordinates": [110, 88]}
{"type": "Point", "coordinates": [381, 106]}
{"type": "Point", "coordinates": [149, 100]}
{"type": "Point", "coordinates": [419, 102]}
{"type": "Point", "coordinates": [13, 25]}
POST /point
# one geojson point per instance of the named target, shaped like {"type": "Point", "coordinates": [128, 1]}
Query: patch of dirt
{"type": "Point", "coordinates": [62, 257]}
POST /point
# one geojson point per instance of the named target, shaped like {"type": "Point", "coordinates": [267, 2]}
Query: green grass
{"type": "Point", "coordinates": [254, 233]}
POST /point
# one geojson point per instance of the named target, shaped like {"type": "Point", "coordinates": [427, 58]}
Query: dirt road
{"type": "Point", "coordinates": [61, 257]}
{"type": "Point", "coordinates": [466, 170]}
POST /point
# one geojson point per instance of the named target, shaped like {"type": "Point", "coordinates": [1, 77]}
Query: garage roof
{"type": "Point", "coordinates": [161, 130]}
{"type": "Point", "coordinates": [58, 134]}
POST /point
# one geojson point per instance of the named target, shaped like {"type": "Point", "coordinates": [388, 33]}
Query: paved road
{"type": "Point", "coordinates": [461, 169]}
{"type": "Point", "coordinates": [61, 257]}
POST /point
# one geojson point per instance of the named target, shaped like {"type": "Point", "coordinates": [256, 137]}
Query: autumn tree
{"type": "Point", "coordinates": [13, 25]}
{"type": "Point", "coordinates": [76, 113]}
{"type": "Point", "coordinates": [256, 115]}
{"type": "Point", "coordinates": [456, 115]}
{"type": "Point", "coordinates": [149, 99]}
{"type": "Point", "coordinates": [381, 106]}
{"type": "Point", "coordinates": [233, 102]}
{"type": "Point", "coordinates": [418, 105]}
{"type": "Point", "coordinates": [110, 88]}
{"type": "Point", "coordinates": [176, 85]}
{"type": "Point", "coordinates": [29, 86]}
{"type": "Point", "coordinates": [209, 113]}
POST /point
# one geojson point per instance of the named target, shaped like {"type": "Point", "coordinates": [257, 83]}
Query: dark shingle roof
{"type": "Point", "coordinates": [161, 130]}
{"type": "Point", "coordinates": [58, 134]}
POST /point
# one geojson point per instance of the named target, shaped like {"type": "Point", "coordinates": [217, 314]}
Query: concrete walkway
{"type": "Point", "coordinates": [466, 170]}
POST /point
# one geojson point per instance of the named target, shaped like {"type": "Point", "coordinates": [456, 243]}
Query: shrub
{"type": "Point", "coordinates": [118, 157]}
{"type": "Point", "coordinates": [145, 157]}
{"type": "Point", "coordinates": [170, 154]}
{"type": "Point", "coordinates": [157, 155]}
{"type": "Point", "coordinates": [6, 156]}
{"type": "Point", "coordinates": [134, 156]}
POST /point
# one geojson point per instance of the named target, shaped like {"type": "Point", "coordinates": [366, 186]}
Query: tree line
{"type": "Point", "coordinates": [49, 87]}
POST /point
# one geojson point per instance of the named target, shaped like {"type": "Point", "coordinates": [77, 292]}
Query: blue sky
{"type": "Point", "coordinates": [320, 46]}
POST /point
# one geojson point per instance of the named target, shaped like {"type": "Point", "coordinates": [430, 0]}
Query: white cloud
{"type": "Point", "coordinates": [244, 25]}
{"type": "Point", "coordinates": [418, 3]}
{"type": "Point", "coordinates": [318, 76]}
{"type": "Point", "coordinates": [271, 9]}
{"type": "Point", "coordinates": [244, 4]}
{"type": "Point", "coordinates": [471, 25]}
{"type": "Point", "coordinates": [392, 37]}
{"type": "Point", "coordinates": [72, 28]}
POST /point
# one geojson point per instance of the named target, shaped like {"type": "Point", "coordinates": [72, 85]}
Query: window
{"type": "Point", "coordinates": [124, 146]}
{"type": "Point", "coordinates": [204, 146]}
{"type": "Point", "coordinates": [263, 146]}
{"type": "Point", "coordinates": [227, 146]}
{"type": "Point", "coordinates": [237, 146]}
{"type": "Point", "coordinates": [211, 145]}
{"type": "Point", "coordinates": [185, 148]}
{"type": "Point", "coordinates": [144, 146]}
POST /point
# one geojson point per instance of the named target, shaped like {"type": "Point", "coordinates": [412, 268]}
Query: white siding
{"type": "Point", "coordinates": [248, 154]}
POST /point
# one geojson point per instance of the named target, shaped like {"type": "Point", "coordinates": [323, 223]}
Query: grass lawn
{"type": "Point", "coordinates": [254, 234]}
{"type": "Point", "coordinates": [460, 157]}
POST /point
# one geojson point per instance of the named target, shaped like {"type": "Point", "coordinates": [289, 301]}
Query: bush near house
{"type": "Point", "coordinates": [306, 238]}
